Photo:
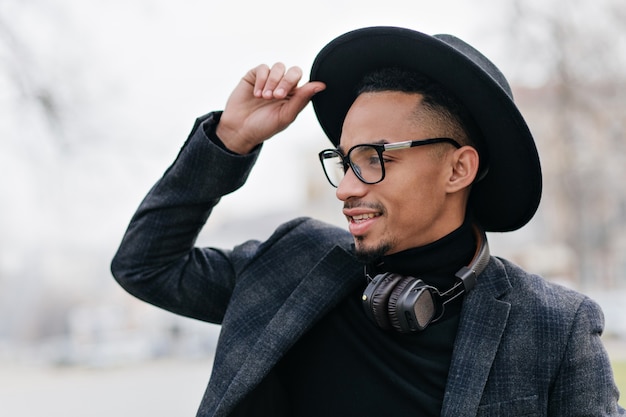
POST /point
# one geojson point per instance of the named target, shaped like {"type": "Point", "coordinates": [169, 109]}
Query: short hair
{"type": "Point", "coordinates": [445, 107]}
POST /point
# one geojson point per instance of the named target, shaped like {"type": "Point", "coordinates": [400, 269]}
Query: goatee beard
{"type": "Point", "coordinates": [369, 255]}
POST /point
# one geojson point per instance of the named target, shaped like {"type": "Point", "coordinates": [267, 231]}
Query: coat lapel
{"type": "Point", "coordinates": [333, 278]}
{"type": "Point", "coordinates": [482, 325]}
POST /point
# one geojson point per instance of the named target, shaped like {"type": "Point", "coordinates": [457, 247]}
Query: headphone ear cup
{"type": "Point", "coordinates": [398, 302]}
{"type": "Point", "coordinates": [378, 303]}
{"type": "Point", "coordinates": [393, 307]}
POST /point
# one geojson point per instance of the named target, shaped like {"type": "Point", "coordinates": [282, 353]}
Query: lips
{"type": "Point", "coordinates": [361, 220]}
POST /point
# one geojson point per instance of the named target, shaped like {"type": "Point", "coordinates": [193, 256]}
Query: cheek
{"type": "Point", "coordinates": [414, 190]}
{"type": "Point", "coordinates": [417, 199]}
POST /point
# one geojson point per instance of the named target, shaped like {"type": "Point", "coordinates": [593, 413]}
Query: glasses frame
{"type": "Point", "coordinates": [380, 148]}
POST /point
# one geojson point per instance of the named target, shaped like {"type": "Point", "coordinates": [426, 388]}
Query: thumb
{"type": "Point", "coordinates": [303, 95]}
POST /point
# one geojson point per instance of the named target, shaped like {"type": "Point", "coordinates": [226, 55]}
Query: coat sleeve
{"type": "Point", "coordinates": [584, 385]}
{"type": "Point", "coordinates": [156, 260]}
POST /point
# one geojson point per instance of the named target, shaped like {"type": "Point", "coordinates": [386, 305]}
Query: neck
{"type": "Point", "coordinates": [435, 263]}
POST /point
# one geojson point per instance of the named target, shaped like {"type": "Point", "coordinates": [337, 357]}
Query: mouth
{"type": "Point", "coordinates": [361, 221]}
{"type": "Point", "coordinates": [362, 212]}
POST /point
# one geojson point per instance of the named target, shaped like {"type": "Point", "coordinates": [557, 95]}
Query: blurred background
{"type": "Point", "coordinates": [97, 97]}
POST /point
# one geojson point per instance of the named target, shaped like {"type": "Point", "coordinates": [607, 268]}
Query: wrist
{"type": "Point", "coordinates": [231, 139]}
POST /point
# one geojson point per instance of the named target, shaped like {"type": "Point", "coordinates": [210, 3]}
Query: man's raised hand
{"type": "Point", "coordinates": [265, 102]}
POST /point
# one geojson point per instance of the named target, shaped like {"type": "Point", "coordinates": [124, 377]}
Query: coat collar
{"type": "Point", "coordinates": [483, 320]}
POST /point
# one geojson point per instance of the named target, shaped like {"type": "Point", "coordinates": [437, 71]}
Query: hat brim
{"type": "Point", "coordinates": [508, 196]}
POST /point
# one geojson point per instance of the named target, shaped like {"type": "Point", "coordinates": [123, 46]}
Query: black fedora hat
{"type": "Point", "coordinates": [509, 194]}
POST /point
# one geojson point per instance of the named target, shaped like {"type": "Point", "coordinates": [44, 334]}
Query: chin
{"type": "Point", "coordinates": [370, 253]}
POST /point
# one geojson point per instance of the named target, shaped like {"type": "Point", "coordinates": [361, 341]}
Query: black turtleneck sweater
{"type": "Point", "coordinates": [347, 366]}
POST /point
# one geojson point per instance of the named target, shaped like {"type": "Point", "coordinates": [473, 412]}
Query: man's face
{"type": "Point", "coordinates": [410, 207]}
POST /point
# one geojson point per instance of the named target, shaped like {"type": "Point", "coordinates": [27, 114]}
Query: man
{"type": "Point", "coordinates": [407, 314]}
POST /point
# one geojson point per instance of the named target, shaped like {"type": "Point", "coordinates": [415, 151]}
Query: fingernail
{"type": "Point", "coordinates": [279, 92]}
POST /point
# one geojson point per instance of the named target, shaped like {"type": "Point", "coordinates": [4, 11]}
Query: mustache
{"type": "Point", "coordinates": [363, 204]}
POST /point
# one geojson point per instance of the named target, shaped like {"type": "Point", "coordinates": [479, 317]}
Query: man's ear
{"type": "Point", "coordinates": [465, 161]}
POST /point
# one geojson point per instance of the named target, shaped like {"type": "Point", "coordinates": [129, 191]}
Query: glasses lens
{"type": "Point", "coordinates": [333, 166]}
{"type": "Point", "coordinates": [366, 162]}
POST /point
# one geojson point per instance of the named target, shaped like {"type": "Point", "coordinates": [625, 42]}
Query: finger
{"type": "Point", "coordinates": [301, 96]}
{"type": "Point", "coordinates": [276, 74]}
{"type": "Point", "coordinates": [288, 82]}
{"type": "Point", "coordinates": [259, 76]}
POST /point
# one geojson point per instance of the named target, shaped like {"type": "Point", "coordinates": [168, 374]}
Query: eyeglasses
{"type": "Point", "coordinates": [366, 160]}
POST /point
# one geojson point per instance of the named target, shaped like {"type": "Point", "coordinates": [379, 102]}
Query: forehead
{"type": "Point", "coordinates": [387, 116]}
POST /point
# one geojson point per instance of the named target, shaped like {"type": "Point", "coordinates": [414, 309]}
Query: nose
{"type": "Point", "coordinates": [350, 187]}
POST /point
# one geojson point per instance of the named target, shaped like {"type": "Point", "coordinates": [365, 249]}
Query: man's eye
{"type": "Point", "coordinates": [374, 160]}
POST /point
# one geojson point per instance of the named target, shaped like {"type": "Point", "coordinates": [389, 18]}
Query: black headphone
{"type": "Point", "coordinates": [406, 304]}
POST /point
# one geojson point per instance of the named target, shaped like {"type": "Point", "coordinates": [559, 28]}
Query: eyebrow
{"type": "Point", "coordinates": [378, 142]}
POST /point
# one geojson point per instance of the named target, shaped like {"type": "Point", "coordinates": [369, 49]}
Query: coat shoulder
{"type": "Point", "coordinates": [299, 234]}
{"type": "Point", "coordinates": [531, 295]}
{"type": "Point", "coordinates": [525, 284]}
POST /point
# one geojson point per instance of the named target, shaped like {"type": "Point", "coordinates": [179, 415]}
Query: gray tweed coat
{"type": "Point", "coordinates": [524, 347]}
